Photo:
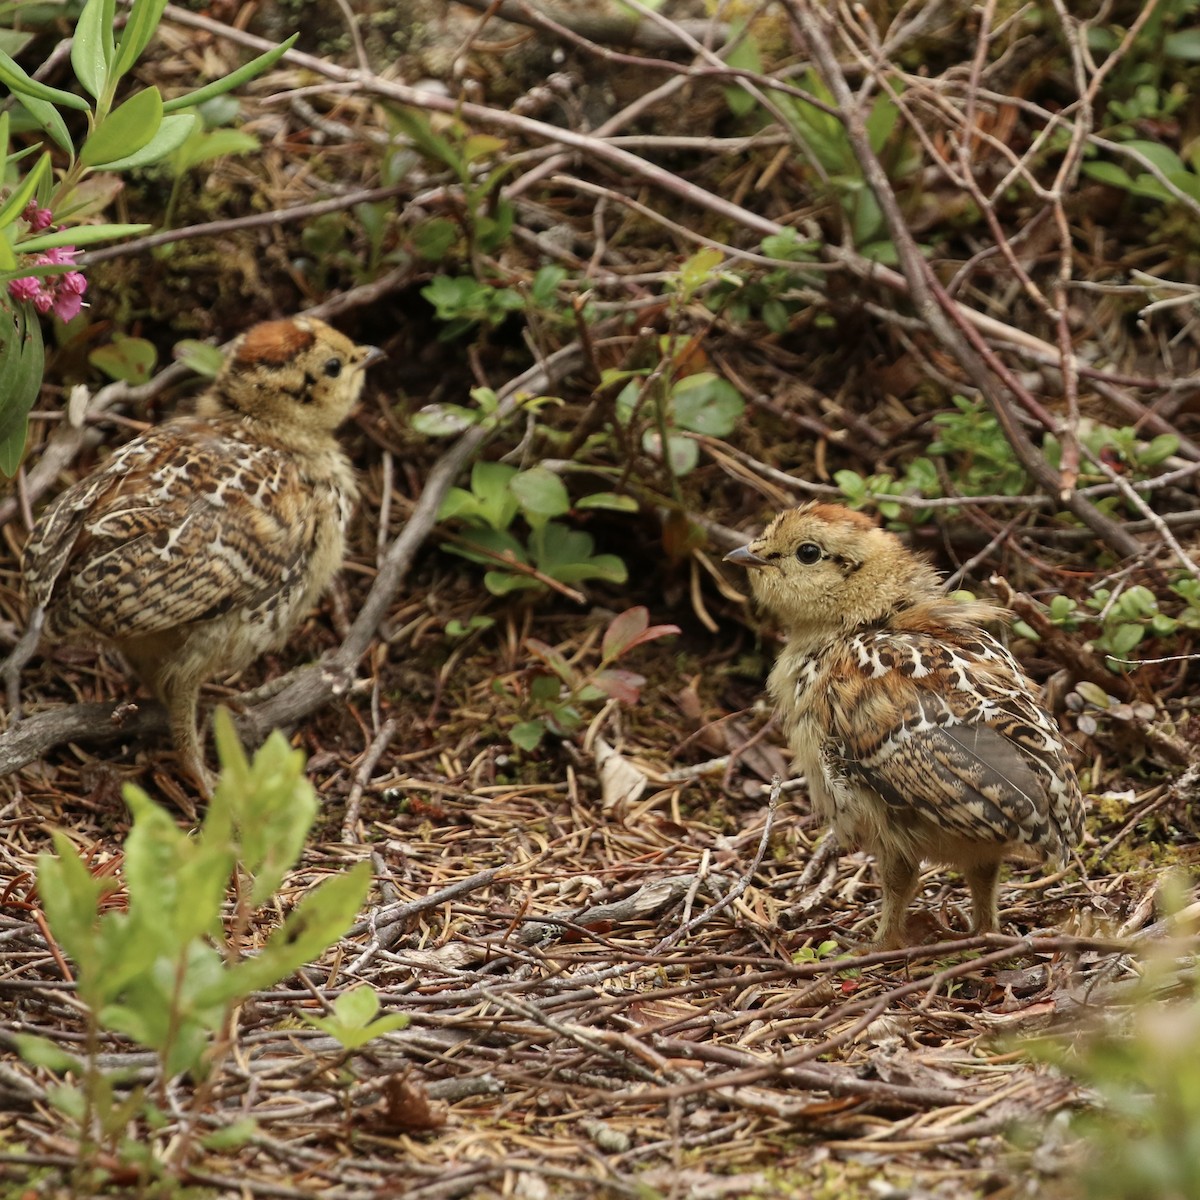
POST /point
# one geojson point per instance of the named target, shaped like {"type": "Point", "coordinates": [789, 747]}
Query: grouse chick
{"type": "Point", "coordinates": [918, 732]}
{"type": "Point", "coordinates": [201, 544]}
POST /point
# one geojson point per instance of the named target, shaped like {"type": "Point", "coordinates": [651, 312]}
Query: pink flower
{"type": "Point", "coordinates": [57, 257]}
{"type": "Point", "coordinates": [36, 218]}
{"type": "Point", "coordinates": [60, 294]}
{"type": "Point", "coordinates": [24, 289]}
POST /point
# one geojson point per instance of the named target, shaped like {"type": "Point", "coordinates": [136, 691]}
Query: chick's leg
{"type": "Point", "coordinates": [158, 665]}
{"type": "Point", "coordinates": [898, 875]}
{"type": "Point", "coordinates": [182, 700]}
{"type": "Point", "coordinates": [982, 878]}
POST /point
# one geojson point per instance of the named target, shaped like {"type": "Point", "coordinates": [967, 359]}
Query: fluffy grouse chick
{"type": "Point", "coordinates": [918, 732]}
{"type": "Point", "coordinates": [201, 544]}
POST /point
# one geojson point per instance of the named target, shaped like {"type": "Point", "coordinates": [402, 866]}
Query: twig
{"type": "Point", "coordinates": [370, 760]}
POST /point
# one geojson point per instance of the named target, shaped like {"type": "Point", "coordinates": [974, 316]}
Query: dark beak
{"type": "Point", "coordinates": [374, 355]}
{"type": "Point", "coordinates": [745, 557]}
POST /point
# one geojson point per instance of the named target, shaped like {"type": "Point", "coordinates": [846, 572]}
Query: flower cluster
{"type": "Point", "coordinates": [60, 294]}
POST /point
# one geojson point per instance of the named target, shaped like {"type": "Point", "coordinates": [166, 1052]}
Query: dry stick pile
{"type": "Point", "coordinates": [637, 994]}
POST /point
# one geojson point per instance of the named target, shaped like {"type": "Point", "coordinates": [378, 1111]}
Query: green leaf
{"type": "Point", "coordinates": [1123, 639]}
{"type": "Point", "coordinates": [745, 56]}
{"type": "Point", "coordinates": [270, 801]}
{"type": "Point", "coordinates": [851, 484]}
{"type": "Point", "coordinates": [699, 269]}
{"type": "Point", "coordinates": [682, 453]}
{"type": "Point", "coordinates": [14, 76]}
{"type": "Point", "coordinates": [527, 735]}
{"type": "Point", "coordinates": [313, 926]}
{"type": "Point", "coordinates": [1163, 157]}
{"type": "Point", "coordinates": [125, 130]}
{"type": "Point", "coordinates": [22, 361]}
{"type": "Point", "coordinates": [705, 403]}
{"type": "Point", "coordinates": [611, 501]}
{"type": "Point", "coordinates": [433, 239]}
{"type": "Point", "coordinates": [232, 1136]}
{"type": "Point", "coordinates": [1184, 44]}
{"type": "Point", "coordinates": [143, 20]}
{"type": "Point", "coordinates": [92, 46]}
{"type": "Point", "coordinates": [200, 357]}
{"type": "Point", "coordinates": [540, 493]}
{"type": "Point", "coordinates": [202, 147]}
{"type": "Point", "coordinates": [172, 133]}
{"type": "Point", "coordinates": [233, 80]}
{"type": "Point", "coordinates": [131, 360]}
{"type": "Point", "coordinates": [12, 42]}
{"type": "Point", "coordinates": [80, 235]}
{"type": "Point", "coordinates": [490, 486]}
{"type": "Point", "coordinates": [24, 191]}
{"type": "Point", "coordinates": [42, 1052]}
{"type": "Point", "coordinates": [50, 119]}
{"type": "Point", "coordinates": [443, 420]}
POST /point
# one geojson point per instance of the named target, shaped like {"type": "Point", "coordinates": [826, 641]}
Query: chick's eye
{"type": "Point", "coordinates": [333, 367]}
{"type": "Point", "coordinates": [809, 553]}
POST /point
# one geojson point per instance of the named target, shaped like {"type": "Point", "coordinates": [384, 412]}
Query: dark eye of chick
{"type": "Point", "coordinates": [333, 367]}
{"type": "Point", "coordinates": [809, 553]}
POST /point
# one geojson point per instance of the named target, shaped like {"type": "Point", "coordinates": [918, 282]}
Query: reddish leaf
{"type": "Point", "coordinates": [626, 626]}
{"type": "Point", "coordinates": [624, 686]}
{"type": "Point", "coordinates": [631, 628]}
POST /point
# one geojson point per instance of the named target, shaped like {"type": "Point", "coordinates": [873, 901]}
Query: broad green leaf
{"type": "Point", "coordinates": [745, 56]}
{"type": "Point", "coordinates": [705, 403]}
{"type": "Point", "coordinates": [172, 133]}
{"type": "Point", "coordinates": [125, 130]}
{"type": "Point", "coordinates": [42, 1052]}
{"type": "Point", "coordinates": [490, 485]}
{"type": "Point", "coordinates": [233, 80]}
{"type": "Point", "coordinates": [1184, 44]}
{"type": "Point", "coordinates": [203, 147]}
{"type": "Point", "coordinates": [14, 76]}
{"type": "Point", "coordinates": [131, 360]}
{"type": "Point", "coordinates": [143, 20]}
{"type": "Point", "coordinates": [233, 1136]}
{"type": "Point", "coordinates": [881, 121]}
{"type": "Point", "coordinates": [699, 269]}
{"type": "Point", "coordinates": [200, 357]}
{"type": "Point", "coordinates": [540, 493]}
{"type": "Point", "coordinates": [13, 42]}
{"type": "Point", "coordinates": [527, 735]}
{"type": "Point", "coordinates": [433, 239]}
{"type": "Point", "coordinates": [682, 453]}
{"type": "Point", "coordinates": [92, 46]}
{"type": "Point", "coordinates": [1124, 638]}
{"type": "Point", "coordinates": [1163, 157]}
{"type": "Point", "coordinates": [443, 420]}
{"type": "Point", "coordinates": [70, 895]}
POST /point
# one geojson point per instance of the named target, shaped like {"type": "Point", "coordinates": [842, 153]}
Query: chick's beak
{"type": "Point", "coordinates": [373, 355]}
{"type": "Point", "coordinates": [745, 557]}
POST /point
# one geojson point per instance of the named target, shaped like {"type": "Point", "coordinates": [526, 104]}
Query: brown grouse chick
{"type": "Point", "coordinates": [918, 732]}
{"type": "Point", "coordinates": [201, 544]}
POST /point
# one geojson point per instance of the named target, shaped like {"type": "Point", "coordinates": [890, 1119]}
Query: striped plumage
{"type": "Point", "coordinates": [918, 732]}
{"type": "Point", "coordinates": [201, 544]}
